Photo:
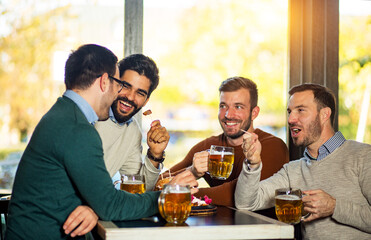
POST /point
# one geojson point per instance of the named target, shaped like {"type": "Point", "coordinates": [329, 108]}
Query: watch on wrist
{"type": "Point", "coordinates": [159, 160]}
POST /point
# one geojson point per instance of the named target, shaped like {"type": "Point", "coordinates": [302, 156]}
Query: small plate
{"type": "Point", "coordinates": [203, 210]}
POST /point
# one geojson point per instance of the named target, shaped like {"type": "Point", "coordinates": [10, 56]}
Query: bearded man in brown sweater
{"type": "Point", "coordinates": [237, 111]}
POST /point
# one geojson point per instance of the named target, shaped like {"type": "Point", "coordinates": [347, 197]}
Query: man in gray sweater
{"type": "Point", "coordinates": [334, 173]}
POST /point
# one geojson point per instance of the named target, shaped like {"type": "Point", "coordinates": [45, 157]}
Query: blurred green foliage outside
{"type": "Point", "coordinates": [215, 40]}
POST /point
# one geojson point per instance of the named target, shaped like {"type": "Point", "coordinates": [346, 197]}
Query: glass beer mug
{"type": "Point", "coordinates": [174, 203]}
{"type": "Point", "coordinates": [221, 161]}
{"type": "Point", "coordinates": [288, 205]}
{"type": "Point", "coordinates": [132, 183]}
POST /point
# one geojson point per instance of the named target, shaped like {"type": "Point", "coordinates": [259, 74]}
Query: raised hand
{"type": "Point", "coordinates": [200, 163]}
{"type": "Point", "coordinates": [157, 138]}
{"type": "Point", "coordinates": [252, 148]}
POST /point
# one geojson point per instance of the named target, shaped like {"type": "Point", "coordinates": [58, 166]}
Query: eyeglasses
{"type": "Point", "coordinates": [121, 83]}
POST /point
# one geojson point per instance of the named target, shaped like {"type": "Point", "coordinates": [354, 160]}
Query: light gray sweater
{"type": "Point", "coordinates": [122, 148]}
{"type": "Point", "coordinates": [345, 174]}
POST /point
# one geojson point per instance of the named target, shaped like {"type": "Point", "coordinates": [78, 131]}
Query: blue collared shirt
{"type": "Point", "coordinates": [327, 148]}
{"type": "Point", "coordinates": [112, 117]}
{"type": "Point", "coordinates": [84, 106]}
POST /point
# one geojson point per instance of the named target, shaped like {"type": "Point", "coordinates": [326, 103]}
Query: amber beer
{"type": "Point", "coordinates": [132, 183]}
{"type": "Point", "coordinates": [221, 161]}
{"type": "Point", "coordinates": [288, 205]}
{"type": "Point", "coordinates": [133, 186]}
{"type": "Point", "coordinates": [175, 203]}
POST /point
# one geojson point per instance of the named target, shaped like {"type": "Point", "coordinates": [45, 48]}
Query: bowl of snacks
{"type": "Point", "coordinates": [202, 206]}
{"type": "Point", "coordinates": [161, 182]}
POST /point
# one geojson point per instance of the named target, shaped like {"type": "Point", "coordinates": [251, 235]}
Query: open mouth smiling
{"type": "Point", "coordinates": [230, 124]}
{"type": "Point", "coordinates": [125, 106]}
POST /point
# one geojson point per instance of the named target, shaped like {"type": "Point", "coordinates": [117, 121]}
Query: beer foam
{"type": "Point", "coordinates": [179, 191]}
{"type": "Point", "coordinates": [221, 153]}
{"type": "Point", "coordinates": [133, 182]}
{"type": "Point", "coordinates": [288, 197]}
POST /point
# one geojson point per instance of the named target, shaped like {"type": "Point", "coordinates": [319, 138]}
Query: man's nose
{"type": "Point", "coordinates": [130, 94]}
{"type": "Point", "coordinates": [291, 118]}
{"type": "Point", "coordinates": [229, 113]}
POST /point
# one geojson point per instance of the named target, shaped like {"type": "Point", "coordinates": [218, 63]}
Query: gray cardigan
{"type": "Point", "coordinates": [122, 148]}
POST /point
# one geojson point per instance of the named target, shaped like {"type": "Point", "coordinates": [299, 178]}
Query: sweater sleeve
{"type": "Point", "coordinates": [253, 194]}
{"type": "Point", "coordinates": [354, 214]}
{"type": "Point", "coordinates": [94, 183]}
{"type": "Point", "coordinates": [150, 173]}
{"type": "Point", "coordinates": [247, 188]}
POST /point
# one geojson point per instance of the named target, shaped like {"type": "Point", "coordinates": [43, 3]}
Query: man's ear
{"type": "Point", "coordinates": [255, 112]}
{"type": "Point", "coordinates": [104, 82]}
{"type": "Point", "coordinates": [325, 114]}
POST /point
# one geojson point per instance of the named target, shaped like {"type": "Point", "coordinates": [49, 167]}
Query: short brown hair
{"type": "Point", "coordinates": [235, 83]}
{"type": "Point", "coordinates": [323, 96]}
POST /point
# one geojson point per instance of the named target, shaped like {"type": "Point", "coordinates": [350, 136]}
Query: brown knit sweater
{"type": "Point", "coordinates": [274, 154]}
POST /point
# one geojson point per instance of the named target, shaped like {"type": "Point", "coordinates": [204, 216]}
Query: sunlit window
{"type": "Point", "coordinates": [197, 45]}
{"type": "Point", "coordinates": [355, 70]}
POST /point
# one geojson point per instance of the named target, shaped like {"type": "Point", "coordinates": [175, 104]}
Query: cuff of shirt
{"type": "Point", "coordinates": [150, 166]}
{"type": "Point", "coordinates": [248, 169]}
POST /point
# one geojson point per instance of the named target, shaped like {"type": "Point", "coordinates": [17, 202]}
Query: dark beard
{"type": "Point", "coordinates": [118, 116]}
{"type": "Point", "coordinates": [315, 130]}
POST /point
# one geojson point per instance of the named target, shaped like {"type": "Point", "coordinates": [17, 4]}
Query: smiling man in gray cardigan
{"type": "Point", "coordinates": [334, 173]}
{"type": "Point", "coordinates": [121, 134]}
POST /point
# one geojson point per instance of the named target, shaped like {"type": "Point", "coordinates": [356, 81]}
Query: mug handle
{"type": "Point", "coordinates": [305, 216]}
{"type": "Point", "coordinates": [208, 150]}
{"type": "Point", "coordinates": [117, 182]}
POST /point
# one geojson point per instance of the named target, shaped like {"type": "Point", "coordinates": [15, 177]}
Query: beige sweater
{"type": "Point", "coordinates": [345, 175]}
{"type": "Point", "coordinates": [122, 148]}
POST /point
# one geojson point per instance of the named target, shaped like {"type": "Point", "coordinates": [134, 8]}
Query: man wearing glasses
{"type": "Point", "coordinates": [122, 135]}
{"type": "Point", "coordinates": [63, 169]}
{"type": "Point", "coordinates": [119, 82]}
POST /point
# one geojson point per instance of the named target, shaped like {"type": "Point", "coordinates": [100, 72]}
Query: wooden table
{"type": "Point", "coordinates": [226, 223]}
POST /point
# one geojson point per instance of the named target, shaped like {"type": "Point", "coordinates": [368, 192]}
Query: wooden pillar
{"type": "Point", "coordinates": [133, 42]}
{"type": "Point", "coordinates": [313, 49]}
{"type": "Point", "coordinates": [133, 38]}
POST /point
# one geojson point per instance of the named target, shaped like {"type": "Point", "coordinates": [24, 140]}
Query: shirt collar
{"type": "Point", "coordinates": [84, 106]}
{"type": "Point", "coordinates": [328, 147]}
{"type": "Point", "coordinates": [112, 117]}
